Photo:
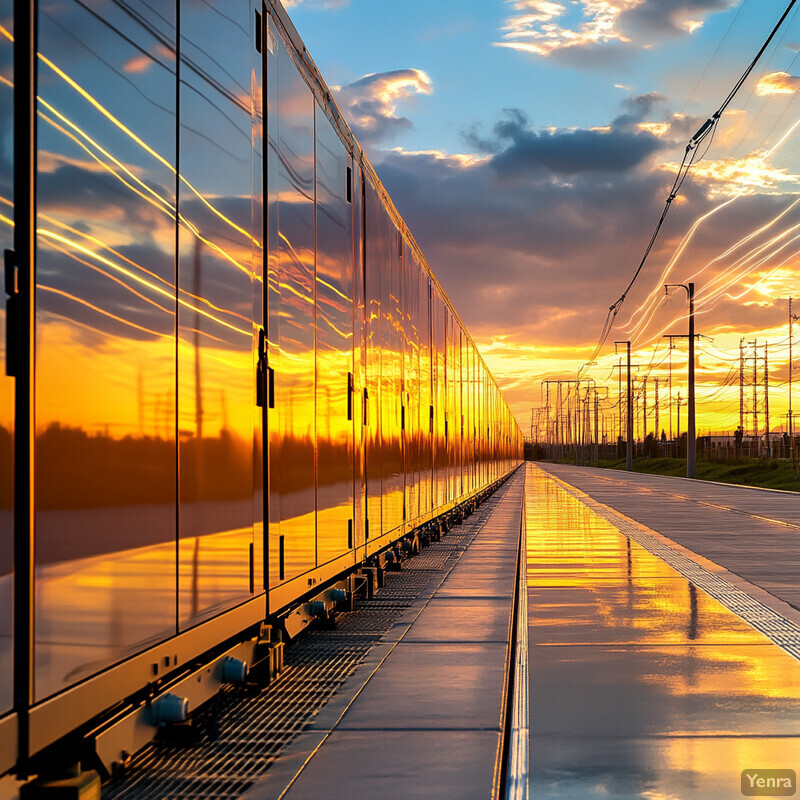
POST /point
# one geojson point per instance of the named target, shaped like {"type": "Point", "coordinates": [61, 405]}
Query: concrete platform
{"type": "Point", "coordinates": [754, 533]}
{"type": "Point", "coordinates": [423, 717]}
{"type": "Point", "coordinates": [643, 684]}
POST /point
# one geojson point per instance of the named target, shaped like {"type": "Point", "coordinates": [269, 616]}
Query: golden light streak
{"type": "Point", "coordinates": [167, 283]}
{"type": "Point", "coordinates": [646, 310]}
{"type": "Point", "coordinates": [105, 274]}
{"type": "Point", "coordinates": [167, 204]}
{"type": "Point", "coordinates": [146, 147]}
{"type": "Point", "coordinates": [42, 288]}
{"type": "Point", "coordinates": [91, 254]}
{"type": "Point", "coordinates": [333, 289]}
{"type": "Point", "coordinates": [169, 207]}
{"type": "Point", "coordinates": [652, 298]}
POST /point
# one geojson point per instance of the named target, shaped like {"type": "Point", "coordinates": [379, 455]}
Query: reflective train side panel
{"type": "Point", "coordinates": [247, 379]}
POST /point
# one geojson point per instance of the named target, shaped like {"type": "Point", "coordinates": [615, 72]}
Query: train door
{"type": "Point", "coordinates": [6, 385]}
{"type": "Point", "coordinates": [105, 321]}
{"type": "Point", "coordinates": [411, 386]}
{"type": "Point", "coordinates": [426, 394]}
{"type": "Point", "coordinates": [291, 319]}
{"type": "Point", "coordinates": [359, 357]}
{"type": "Point", "coordinates": [372, 367]}
{"type": "Point", "coordinates": [220, 246]}
{"type": "Point", "coordinates": [334, 295]}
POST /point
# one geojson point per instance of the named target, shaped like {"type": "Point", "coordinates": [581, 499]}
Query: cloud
{"type": "Point", "coordinates": [324, 5]}
{"type": "Point", "coordinates": [537, 234]}
{"type": "Point", "coordinates": [536, 262]}
{"type": "Point", "coordinates": [728, 177]}
{"type": "Point", "coordinates": [636, 108]}
{"type": "Point", "coordinates": [519, 150]}
{"type": "Point", "coordinates": [777, 83]}
{"type": "Point", "coordinates": [370, 103]}
{"type": "Point", "coordinates": [670, 17]}
{"type": "Point", "coordinates": [596, 29]}
{"type": "Point", "coordinates": [532, 27]}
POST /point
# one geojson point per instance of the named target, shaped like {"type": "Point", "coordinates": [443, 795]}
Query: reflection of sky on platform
{"type": "Point", "coordinates": [567, 120]}
{"type": "Point", "coordinates": [642, 685]}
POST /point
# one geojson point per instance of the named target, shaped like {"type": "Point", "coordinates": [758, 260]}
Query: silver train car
{"type": "Point", "coordinates": [231, 377]}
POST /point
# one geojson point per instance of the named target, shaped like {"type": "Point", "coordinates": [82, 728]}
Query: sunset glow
{"type": "Point", "coordinates": [538, 224]}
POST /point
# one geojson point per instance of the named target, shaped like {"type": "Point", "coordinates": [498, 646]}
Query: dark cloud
{"type": "Point", "coordinates": [518, 149]}
{"type": "Point", "coordinates": [593, 55]}
{"type": "Point", "coordinates": [668, 16]}
{"type": "Point", "coordinates": [542, 256]}
{"type": "Point", "coordinates": [511, 254]}
{"type": "Point", "coordinates": [636, 109]}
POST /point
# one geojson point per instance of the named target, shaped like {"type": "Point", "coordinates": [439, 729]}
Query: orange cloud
{"type": "Point", "coordinates": [531, 27]}
{"type": "Point", "coordinates": [545, 26]}
{"type": "Point", "coordinates": [777, 83]}
{"type": "Point", "coordinates": [137, 64]}
{"type": "Point", "coordinates": [371, 102]}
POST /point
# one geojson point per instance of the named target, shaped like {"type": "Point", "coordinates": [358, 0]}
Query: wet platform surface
{"type": "Point", "coordinates": [754, 533]}
{"type": "Point", "coordinates": [642, 684]}
{"type": "Point", "coordinates": [423, 716]}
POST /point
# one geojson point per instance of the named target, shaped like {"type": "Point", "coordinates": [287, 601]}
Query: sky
{"type": "Point", "coordinates": [531, 145]}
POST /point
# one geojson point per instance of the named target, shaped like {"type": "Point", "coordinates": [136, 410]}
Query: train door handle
{"type": "Point", "coordinates": [264, 374]}
{"type": "Point", "coordinates": [14, 314]}
{"type": "Point", "coordinates": [350, 391]}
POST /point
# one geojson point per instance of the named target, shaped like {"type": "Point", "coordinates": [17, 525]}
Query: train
{"type": "Point", "coordinates": [231, 379]}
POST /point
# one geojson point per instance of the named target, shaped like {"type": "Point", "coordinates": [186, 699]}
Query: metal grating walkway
{"type": "Point", "coordinates": [243, 734]}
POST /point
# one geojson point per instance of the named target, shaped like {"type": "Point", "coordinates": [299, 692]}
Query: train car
{"type": "Point", "coordinates": [232, 378]}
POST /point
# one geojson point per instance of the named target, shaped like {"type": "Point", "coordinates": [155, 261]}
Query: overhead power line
{"type": "Point", "coordinates": [689, 157]}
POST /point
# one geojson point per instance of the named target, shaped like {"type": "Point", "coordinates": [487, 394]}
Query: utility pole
{"type": "Point", "coordinates": [629, 443]}
{"type": "Point", "coordinates": [558, 419]}
{"type": "Point", "coordinates": [766, 399]}
{"type": "Point", "coordinates": [792, 318]}
{"type": "Point", "coordinates": [671, 348]}
{"type": "Point", "coordinates": [755, 392]}
{"type": "Point", "coordinates": [559, 422]}
{"type": "Point", "coordinates": [691, 443]}
{"type": "Point", "coordinates": [657, 409]}
{"type": "Point", "coordinates": [741, 385]}
{"type": "Point", "coordinates": [691, 437]}
{"type": "Point", "coordinates": [644, 408]}
{"type": "Point", "coordinates": [619, 395]}
{"type": "Point", "coordinates": [671, 336]}
{"type": "Point", "coordinates": [679, 402]}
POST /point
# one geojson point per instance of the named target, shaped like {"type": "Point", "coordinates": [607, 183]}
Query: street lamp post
{"type": "Point", "coordinates": [691, 437]}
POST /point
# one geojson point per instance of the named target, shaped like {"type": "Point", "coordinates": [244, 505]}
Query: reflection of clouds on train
{"type": "Point", "coordinates": [6, 383]}
{"type": "Point", "coordinates": [150, 296]}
